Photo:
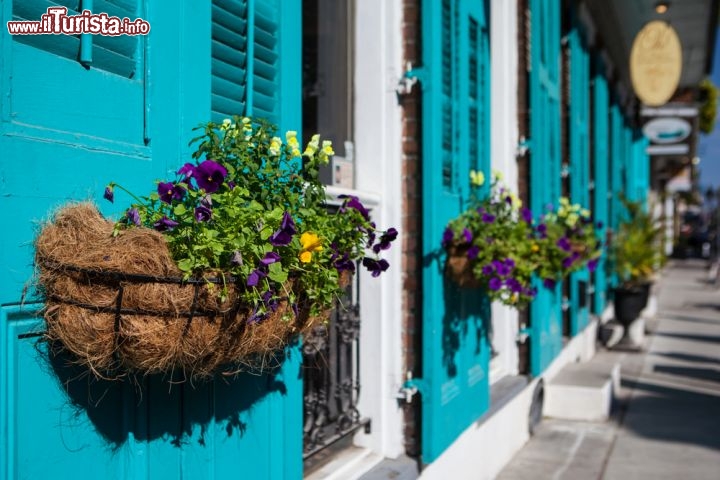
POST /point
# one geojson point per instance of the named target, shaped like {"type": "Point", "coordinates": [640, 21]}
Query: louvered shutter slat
{"type": "Point", "coordinates": [234, 22]}
{"type": "Point", "coordinates": [229, 58]}
{"type": "Point", "coordinates": [230, 38]}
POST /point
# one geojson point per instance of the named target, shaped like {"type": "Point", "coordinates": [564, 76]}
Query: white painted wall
{"type": "Point", "coordinates": [378, 168]}
{"type": "Point", "coordinates": [503, 146]}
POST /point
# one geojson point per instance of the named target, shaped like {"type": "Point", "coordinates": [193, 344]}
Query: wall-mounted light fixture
{"type": "Point", "coordinates": [662, 7]}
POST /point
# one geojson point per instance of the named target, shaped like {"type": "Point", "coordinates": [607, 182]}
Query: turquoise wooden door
{"type": "Point", "coordinates": [126, 115]}
{"type": "Point", "coordinates": [455, 388]}
{"type": "Point", "coordinates": [545, 159]}
{"type": "Point", "coordinates": [601, 132]}
{"type": "Point", "coordinates": [579, 160]}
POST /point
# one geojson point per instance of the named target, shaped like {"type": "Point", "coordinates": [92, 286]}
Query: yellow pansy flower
{"type": "Point", "coordinates": [497, 174]}
{"type": "Point", "coordinates": [477, 178]}
{"type": "Point", "coordinates": [535, 248]}
{"type": "Point", "coordinates": [310, 243]}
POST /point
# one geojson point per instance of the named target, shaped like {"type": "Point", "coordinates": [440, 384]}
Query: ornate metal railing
{"type": "Point", "coordinates": [331, 379]}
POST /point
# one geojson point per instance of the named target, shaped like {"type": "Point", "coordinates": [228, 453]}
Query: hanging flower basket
{"type": "Point", "coordinates": [459, 268]}
{"type": "Point", "coordinates": [121, 304]}
{"type": "Point", "coordinates": [212, 272]}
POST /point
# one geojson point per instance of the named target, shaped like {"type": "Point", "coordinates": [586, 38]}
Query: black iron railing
{"type": "Point", "coordinates": [331, 379]}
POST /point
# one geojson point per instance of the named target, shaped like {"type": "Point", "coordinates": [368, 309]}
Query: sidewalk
{"type": "Point", "coordinates": [667, 421]}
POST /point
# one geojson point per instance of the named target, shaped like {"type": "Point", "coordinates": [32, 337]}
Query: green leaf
{"type": "Point", "coordinates": [179, 209]}
{"type": "Point", "coordinates": [185, 265]}
{"type": "Point", "coordinates": [277, 274]}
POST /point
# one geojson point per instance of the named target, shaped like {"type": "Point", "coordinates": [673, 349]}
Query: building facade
{"type": "Point", "coordinates": [414, 95]}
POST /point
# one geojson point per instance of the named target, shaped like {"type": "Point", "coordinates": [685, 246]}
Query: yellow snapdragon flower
{"type": "Point", "coordinates": [292, 141]}
{"type": "Point", "coordinates": [477, 178]}
{"type": "Point", "coordinates": [275, 145]}
{"type": "Point", "coordinates": [326, 152]}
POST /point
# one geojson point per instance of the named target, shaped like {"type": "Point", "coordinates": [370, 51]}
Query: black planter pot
{"type": "Point", "coordinates": [630, 302]}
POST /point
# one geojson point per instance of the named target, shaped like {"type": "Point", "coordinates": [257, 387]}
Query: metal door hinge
{"type": "Point", "coordinates": [411, 387]}
{"type": "Point", "coordinates": [523, 147]}
{"type": "Point", "coordinates": [411, 77]}
{"type": "Point", "coordinates": [523, 334]}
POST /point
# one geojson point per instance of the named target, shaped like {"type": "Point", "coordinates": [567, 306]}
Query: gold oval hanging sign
{"type": "Point", "coordinates": [656, 63]}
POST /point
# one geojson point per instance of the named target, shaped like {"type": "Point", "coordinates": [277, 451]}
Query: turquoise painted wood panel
{"type": "Point", "coordinates": [579, 160]}
{"type": "Point", "coordinates": [545, 165]}
{"type": "Point", "coordinates": [65, 132]}
{"type": "Point", "coordinates": [601, 132]}
{"type": "Point", "coordinates": [455, 388]}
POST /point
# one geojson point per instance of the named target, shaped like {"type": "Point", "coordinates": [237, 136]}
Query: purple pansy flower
{"type": "Point", "coordinates": [447, 236]}
{"type": "Point", "coordinates": [568, 261]}
{"type": "Point", "coordinates": [488, 218]}
{"type": "Point", "coordinates": [592, 265]}
{"type": "Point", "coordinates": [495, 284]}
{"type": "Point", "coordinates": [376, 267]}
{"type": "Point", "coordinates": [134, 216]}
{"type": "Point", "coordinates": [283, 236]}
{"type": "Point", "coordinates": [473, 252]}
{"type": "Point", "coordinates": [187, 170]}
{"type": "Point", "coordinates": [514, 285]}
{"type": "Point", "coordinates": [169, 192]}
{"type": "Point", "coordinates": [255, 277]}
{"type": "Point", "coordinates": [488, 270]}
{"type": "Point", "coordinates": [501, 268]}
{"type": "Point", "coordinates": [526, 215]}
{"type": "Point", "coordinates": [352, 201]}
{"type": "Point", "coordinates": [467, 234]}
{"type": "Point", "coordinates": [209, 175]}
{"type": "Point", "coordinates": [165, 224]}
{"type": "Point", "coordinates": [385, 240]}
{"type": "Point", "coordinates": [564, 244]}
{"type": "Point", "coordinates": [508, 200]}
{"type": "Point", "coordinates": [109, 194]}
{"type": "Point", "coordinates": [542, 230]}
{"type": "Point", "coordinates": [510, 262]}
{"type": "Point", "coordinates": [549, 283]}
{"type": "Point", "coordinates": [270, 300]}
{"type": "Point", "coordinates": [257, 316]}
{"type": "Point", "coordinates": [270, 258]}
{"type": "Point", "coordinates": [203, 214]}
{"type": "Point", "coordinates": [344, 263]}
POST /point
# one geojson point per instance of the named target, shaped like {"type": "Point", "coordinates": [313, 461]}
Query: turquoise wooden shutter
{"type": "Point", "coordinates": [639, 168]}
{"type": "Point", "coordinates": [247, 76]}
{"type": "Point", "coordinates": [545, 310]}
{"type": "Point", "coordinates": [579, 159]}
{"type": "Point", "coordinates": [454, 385]}
{"type": "Point", "coordinates": [66, 130]}
{"type": "Point", "coordinates": [601, 133]}
{"type": "Point", "coordinates": [229, 52]}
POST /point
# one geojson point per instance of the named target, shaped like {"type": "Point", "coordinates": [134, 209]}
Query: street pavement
{"type": "Point", "coordinates": [666, 421]}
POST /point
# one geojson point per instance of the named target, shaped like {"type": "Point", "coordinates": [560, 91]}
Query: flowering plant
{"type": "Point", "coordinates": [568, 242]}
{"type": "Point", "coordinates": [251, 208]}
{"type": "Point", "coordinates": [636, 249]}
{"type": "Point", "coordinates": [494, 238]}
